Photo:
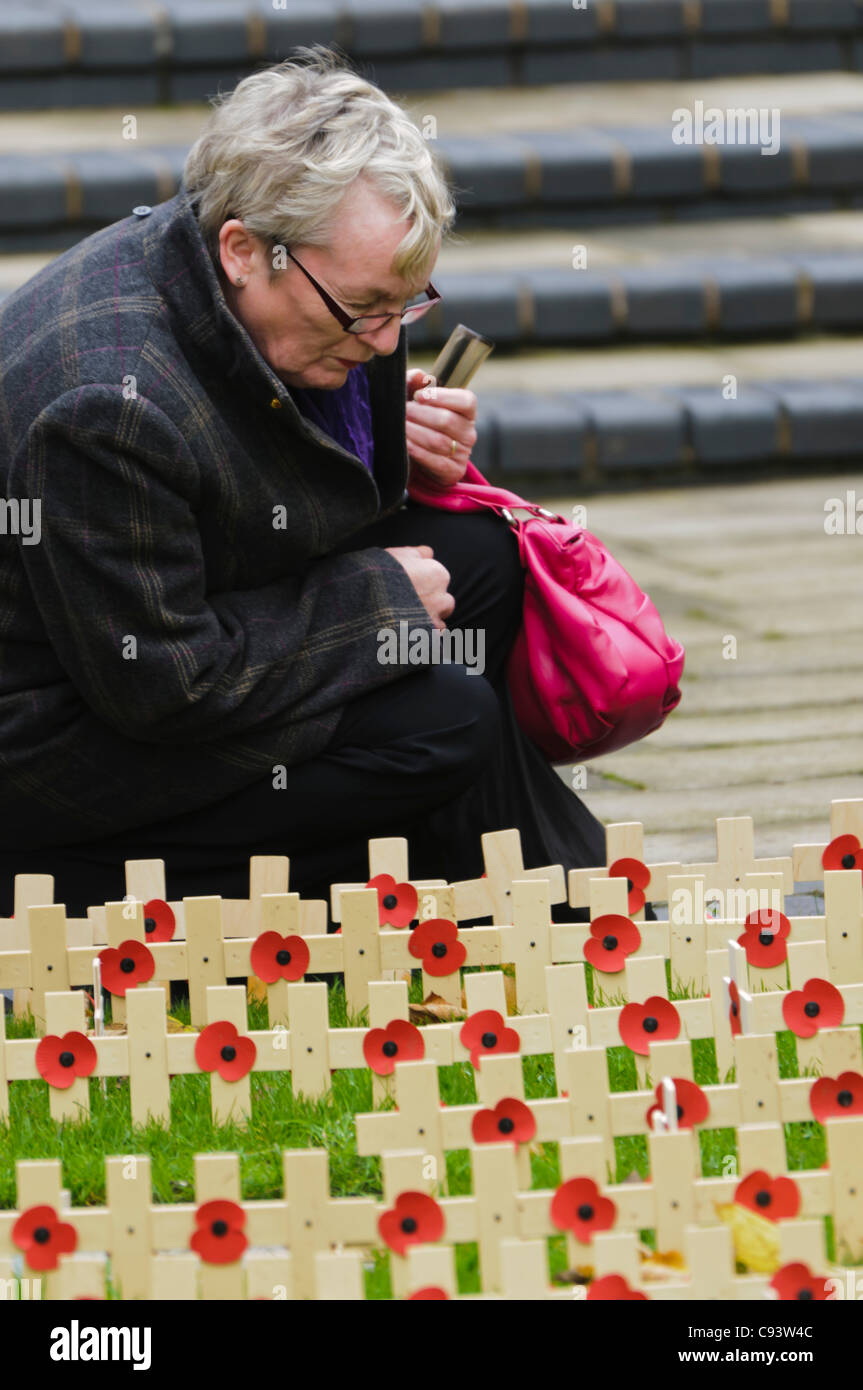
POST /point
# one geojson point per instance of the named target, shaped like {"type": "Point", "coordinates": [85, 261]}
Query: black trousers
{"type": "Point", "coordinates": [435, 756]}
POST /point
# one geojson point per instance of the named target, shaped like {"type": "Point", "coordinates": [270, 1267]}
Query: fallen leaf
{"type": "Point", "coordinates": [176, 1025]}
{"type": "Point", "coordinates": [582, 1274]}
{"type": "Point", "coordinates": [756, 1240]}
{"type": "Point", "coordinates": [435, 1009]}
{"type": "Point", "coordinates": [660, 1264]}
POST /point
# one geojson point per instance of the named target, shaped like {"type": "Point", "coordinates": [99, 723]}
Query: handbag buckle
{"type": "Point", "coordinates": [508, 516]}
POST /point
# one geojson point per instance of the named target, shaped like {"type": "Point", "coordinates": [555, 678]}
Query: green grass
{"type": "Point", "coordinates": [281, 1120]}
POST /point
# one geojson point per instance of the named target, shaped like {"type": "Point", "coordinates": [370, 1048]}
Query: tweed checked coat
{"type": "Point", "coordinates": [182, 627]}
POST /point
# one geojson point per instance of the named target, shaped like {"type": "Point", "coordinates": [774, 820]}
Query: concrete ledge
{"type": "Point", "coordinates": [413, 44]}
{"type": "Point", "coordinates": [589, 438]}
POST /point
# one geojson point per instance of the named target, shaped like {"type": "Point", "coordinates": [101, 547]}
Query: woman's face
{"type": "Point", "coordinates": [286, 318]}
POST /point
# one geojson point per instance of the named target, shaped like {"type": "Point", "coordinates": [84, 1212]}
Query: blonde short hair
{"type": "Point", "coordinates": [280, 151]}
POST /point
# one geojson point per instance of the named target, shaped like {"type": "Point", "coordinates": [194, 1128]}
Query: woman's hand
{"type": "Point", "coordinates": [440, 427]}
{"type": "Point", "coordinates": [429, 578]}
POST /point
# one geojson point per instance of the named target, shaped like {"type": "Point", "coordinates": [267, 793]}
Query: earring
{"type": "Point", "coordinates": [240, 281]}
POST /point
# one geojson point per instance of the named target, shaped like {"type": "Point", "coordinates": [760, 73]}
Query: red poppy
{"type": "Point", "coordinates": [835, 1096]}
{"type": "Point", "coordinates": [774, 1198]}
{"type": "Point", "coordinates": [763, 938]}
{"type": "Point", "coordinates": [637, 876]}
{"type": "Point", "coordinates": [486, 1031]}
{"type": "Point", "coordinates": [656, 1020]}
{"type": "Point", "coordinates": [220, 1237]}
{"type": "Point", "coordinates": [510, 1119]}
{"type": "Point", "coordinates": [734, 1009]}
{"type": "Point", "coordinates": [43, 1237]}
{"type": "Point", "coordinates": [436, 943]}
{"type": "Point", "coordinates": [398, 1042]}
{"type": "Point", "coordinates": [692, 1104]}
{"type": "Point", "coordinates": [429, 1292]}
{"type": "Point", "coordinates": [817, 1005]}
{"type": "Point", "coordinates": [579, 1206]}
{"type": "Point", "coordinates": [221, 1048]}
{"type": "Point", "coordinates": [796, 1281]}
{"type": "Point", "coordinates": [274, 957]}
{"type": "Point", "coordinates": [159, 920]}
{"type": "Point", "coordinates": [397, 902]}
{"type": "Point", "coordinates": [614, 1287]}
{"type": "Point", "coordinates": [612, 938]}
{"type": "Point", "coordinates": [60, 1060]}
{"type": "Point", "coordinates": [845, 852]}
{"type": "Point", "coordinates": [125, 966]}
{"type": "Point", "coordinates": [415, 1219]}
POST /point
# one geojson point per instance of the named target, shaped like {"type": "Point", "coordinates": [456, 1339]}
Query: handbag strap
{"type": "Point", "coordinates": [473, 493]}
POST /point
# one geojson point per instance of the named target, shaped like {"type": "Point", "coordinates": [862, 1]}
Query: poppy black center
{"type": "Point", "coordinates": [844, 1098]}
{"type": "Point", "coordinates": [389, 1048]}
{"type": "Point", "coordinates": [680, 1112]}
{"type": "Point", "coordinates": [765, 938]}
{"type": "Point", "coordinates": [409, 1225]}
{"type": "Point", "coordinates": [506, 1125]}
{"type": "Point", "coordinates": [283, 957]}
{"type": "Point", "coordinates": [67, 1059]}
{"type": "Point", "coordinates": [804, 1295]}
{"type": "Point", "coordinates": [127, 965]}
{"type": "Point", "coordinates": [220, 1228]}
{"type": "Point", "coordinates": [734, 1010]}
{"type": "Point", "coordinates": [228, 1053]}
{"type": "Point", "coordinates": [610, 943]}
{"type": "Point", "coordinates": [149, 924]}
{"type": "Point", "coordinates": [763, 1199]}
{"type": "Point", "coordinates": [650, 1024]}
{"type": "Point", "coordinates": [585, 1212]}
{"type": "Point", "coordinates": [630, 885]}
{"type": "Point", "coordinates": [390, 901]}
{"type": "Point", "coordinates": [811, 1009]}
{"type": "Point", "coordinates": [439, 949]}
{"type": "Point", "coordinates": [489, 1039]}
{"type": "Point", "coordinates": [848, 861]}
{"type": "Point", "coordinates": [41, 1235]}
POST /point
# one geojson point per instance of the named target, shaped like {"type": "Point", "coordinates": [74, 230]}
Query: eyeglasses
{"type": "Point", "coordinates": [366, 323]}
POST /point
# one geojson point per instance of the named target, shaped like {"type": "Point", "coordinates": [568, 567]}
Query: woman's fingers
{"type": "Point", "coordinates": [439, 442]}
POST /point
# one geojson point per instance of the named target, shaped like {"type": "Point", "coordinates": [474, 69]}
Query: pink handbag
{"type": "Point", "coordinates": [592, 668]}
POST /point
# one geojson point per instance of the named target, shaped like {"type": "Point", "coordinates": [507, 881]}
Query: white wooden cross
{"type": "Point", "coordinates": [491, 895]}
{"type": "Point", "coordinates": [846, 818]}
{"type": "Point", "coordinates": [623, 840]}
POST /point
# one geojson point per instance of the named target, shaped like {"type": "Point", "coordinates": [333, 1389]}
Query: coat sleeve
{"type": "Point", "coordinates": [118, 578]}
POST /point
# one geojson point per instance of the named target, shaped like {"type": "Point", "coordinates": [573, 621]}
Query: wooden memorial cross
{"type": "Point", "coordinates": [241, 917]}
{"type": "Point", "coordinates": [482, 946]}
{"type": "Point", "coordinates": [310, 1221]}
{"type": "Point", "coordinates": [623, 840]}
{"type": "Point", "coordinates": [491, 895]}
{"type": "Point", "coordinates": [735, 858]}
{"type": "Point", "coordinates": [846, 818]}
{"type": "Point", "coordinates": [607, 896]}
{"type": "Point", "coordinates": [386, 856]}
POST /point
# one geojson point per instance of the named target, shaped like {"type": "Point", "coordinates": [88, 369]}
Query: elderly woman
{"type": "Point", "coordinates": [205, 406]}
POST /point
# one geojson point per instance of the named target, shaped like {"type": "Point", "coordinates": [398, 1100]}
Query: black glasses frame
{"type": "Point", "coordinates": [372, 321]}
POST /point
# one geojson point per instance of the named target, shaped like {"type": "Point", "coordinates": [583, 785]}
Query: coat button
{"type": "Point", "coordinates": [142, 211]}
{"type": "Point", "coordinates": [275, 403]}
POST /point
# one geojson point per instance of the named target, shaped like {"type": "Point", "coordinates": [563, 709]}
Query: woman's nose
{"type": "Point", "coordinates": [384, 339]}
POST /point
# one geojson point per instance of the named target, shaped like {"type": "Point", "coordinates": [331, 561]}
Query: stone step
{"type": "Point", "coordinates": [593, 175]}
{"type": "Point", "coordinates": [590, 437]}
{"type": "Point", "coordinates": [92, 52]}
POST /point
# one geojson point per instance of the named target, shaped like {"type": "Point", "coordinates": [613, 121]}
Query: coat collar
{"type": "Point", "coordinates": [182, 271]}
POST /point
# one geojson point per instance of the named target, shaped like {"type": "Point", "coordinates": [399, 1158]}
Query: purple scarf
{"type": "Point", "coordinates": [344, 414]}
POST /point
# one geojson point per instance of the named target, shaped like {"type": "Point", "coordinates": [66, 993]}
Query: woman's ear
{"type": "Point", "coordinates": [237, 251]}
